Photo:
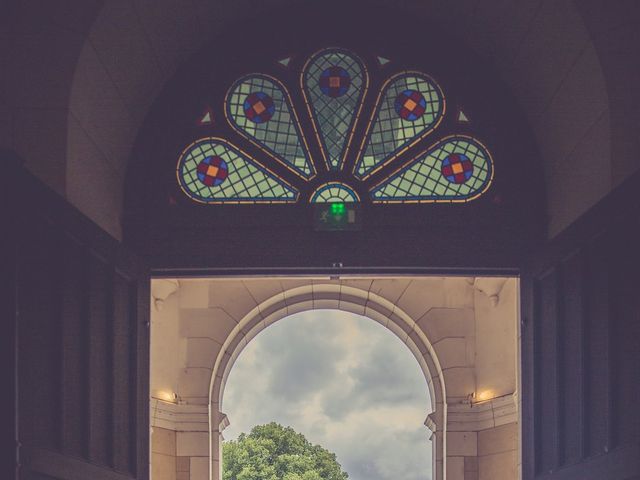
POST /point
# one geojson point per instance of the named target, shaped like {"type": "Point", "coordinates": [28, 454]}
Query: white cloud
{"type": "Point", "coordinates": [346, 383]}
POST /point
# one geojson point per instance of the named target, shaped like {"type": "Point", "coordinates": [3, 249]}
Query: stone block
{"type": "Point", "coordinates": [163, 467]}
{"type": "Point", "coordinates": [463, 444]}
{"type": "Point", "coordinates": [455, 468]}
{"type": "Point", "coordinates": [459, 381]}
{"type": "Point", "coordinates": [194, 382]}
{"type": "Point", "coordinates": [201, 352]}
{"type": "Point", "coordinates": [192, 444]}
{"type": "Point", "coordinates": [213, 323]}
{"type": "Point", "coordinates": [470, 465]}
{"type": "Point", "coordinates": [163, 441]}
{"type": "Point", "coordinates": [199, 468]}
{"type": "Point", "coordinates": [326, 304]}
{"type": "Point", "coordinates": [440, 323]}
{"type": "Point", "coordinates": [299, 306]}
{"type": "Point", "coordinates": [500, 466]}
{"type": "Point", "coordinates": [452, 352]}
{"type": "Point", "coordinates": [421, 295]}
{"type": "Point", "coordinates": [237, 302]}
{"type": "Point", "coordinates": [390, 289]}
{"type": "Point", "coordinates": [193, 294]}
{"type": "Point", "coordinates": [262, 290]}
{"type": "Point", "coordinates": [497, 440]}
{"type": "Point", "coordinates": [182, 464]}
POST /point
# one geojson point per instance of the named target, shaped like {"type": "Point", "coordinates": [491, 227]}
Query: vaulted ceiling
{"type": "Point", "coordinates": [471, 323]}
{"type": "Point", "coordinates": [78, 79]}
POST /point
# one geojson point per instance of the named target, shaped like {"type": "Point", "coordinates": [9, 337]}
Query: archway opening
{"type": "Point", "coordinates": [462, 332]}
{"type": "Point", "coordinates": [344, 382]}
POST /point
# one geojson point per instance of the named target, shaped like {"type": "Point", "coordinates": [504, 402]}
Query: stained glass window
{"type": "Point", "coordinates": [212, 171]}
{"type": "Point", "coordinates": [457, 169]}
{"type": "Point", "coordinates": [409, 107]}
{"type": "Point", "coordinates": [334, 192]}
{"type": "Point", "coordinates": [334, 82]}
{"type": "Point", "coordinates": [259, 108]}
{"type": "Point", "coordinates": [385, 152]}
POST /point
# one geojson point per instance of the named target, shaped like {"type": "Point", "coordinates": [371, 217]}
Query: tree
{"type": "Point", "coordinates": [274, 452]}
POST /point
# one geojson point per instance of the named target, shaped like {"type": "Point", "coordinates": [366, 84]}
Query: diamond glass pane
{"type": "Point", "coordinates": [212, 171]}
{"type": "Point", "coordinates": [259, 108]}
{"type": "Point", "coordinates": [334, 192]}
{"type": "Point", "coordinates": [430, 178]}
{"type": "Point", "coordinates": [334, 111]}
{"type": "Point", "coordinates": [410, 107]}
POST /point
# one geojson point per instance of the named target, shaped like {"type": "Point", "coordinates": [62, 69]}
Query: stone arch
{"type": "Point", "coordinates": [154, 41]}
{"type": "Point", "coordinates": [338, 297]}
{"type": "Point", "coordinates": [566, 57]}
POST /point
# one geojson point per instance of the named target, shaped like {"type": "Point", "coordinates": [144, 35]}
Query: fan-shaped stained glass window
{"type": "Point", "coordinates": [334, 83]}
{"type": "Point", "coordinates": [212, 171]}
{"type": "Point", "coordinates": [259, 108]}
{"type": "Point", "coordinates": [382, 145]}
{"type": "Point", "coordinates": [409, 107]}
{"type": "Point", "coordinates": [456, 169]}
{"type": "Point", "coordinates": [334, 192]}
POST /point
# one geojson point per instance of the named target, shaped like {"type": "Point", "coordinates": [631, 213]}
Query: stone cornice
{"type": "Point", "coordinates": [471, 417]}
{"type": "Point", "coordinates": [182, 418]}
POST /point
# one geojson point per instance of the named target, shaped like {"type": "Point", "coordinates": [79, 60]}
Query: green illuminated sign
{"type": "Point", "coordinates": [338, 209]}
{"type": "Point", "coordinates": [337, 216]}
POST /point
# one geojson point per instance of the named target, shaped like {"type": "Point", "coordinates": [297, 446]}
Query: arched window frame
{"type": "Point", "coordinates": [321, 172]}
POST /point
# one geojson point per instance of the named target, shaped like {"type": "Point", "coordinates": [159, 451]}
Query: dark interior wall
{"type": "Point", "coordinates": [78, 364]}
{"type": "Point", "coordinates": [80, 310]}
{"type": "Point", "coordinates": [581, 370]}
{"type": "Point", "coordinates": [8, 339]}
{"type": "Point", "coordinates": [613, 28]}
{"type": "Point", "coordinates": [492, 231]}
{"type": "Point", "coordinates": [581, 317]}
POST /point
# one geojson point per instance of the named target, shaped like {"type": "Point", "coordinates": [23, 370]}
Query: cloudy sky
{"type": "Point", "coordinates": [346, 383]}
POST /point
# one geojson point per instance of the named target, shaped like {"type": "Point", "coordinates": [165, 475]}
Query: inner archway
{"type": "Point", "coordinates": [317, 296]}
{"type": "Point", "coordinates": [462, 332]}
{"type": "Point", "coordinates": [345, 383]}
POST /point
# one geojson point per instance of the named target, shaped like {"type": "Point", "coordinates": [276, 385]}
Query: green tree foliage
{"type": "Point", "coordinates": [274, 452]}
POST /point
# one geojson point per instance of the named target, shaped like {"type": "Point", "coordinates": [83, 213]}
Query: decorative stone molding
{"type": "Point", "coordinates": [183, 418]}
{"type": "Point", "coordinates": [224, 422]}
{"type": "Point", "coordinates": [430, 423]}
{"type": "Point", "coordinates": [490, 286]}
{"type": "Point", "coordinates": [473, 417]}
{"type": "Point", "coordinates": [161, 289]}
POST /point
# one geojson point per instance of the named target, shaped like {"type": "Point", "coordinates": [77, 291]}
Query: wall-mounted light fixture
{"type": "Point", "coordinates": [167, 396]}
{"type": "Point", "coordinates": [484, 395]}
{"type": "Point", "coordinates": [479, 397]}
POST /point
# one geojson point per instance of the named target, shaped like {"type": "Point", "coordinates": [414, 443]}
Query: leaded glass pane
{"type": "Point", "coordinates": [213, 171]}
{"type": "Point", "coordinates": [259, 108]}
{"type": "Point", "coordinates": [334, 192]}
{"type": "Point", "coordinates": [334, 82]}
{"type": "Point", "coordinates": [457, 169]}
{"type": "Point", "coordinates": [409, 107]}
